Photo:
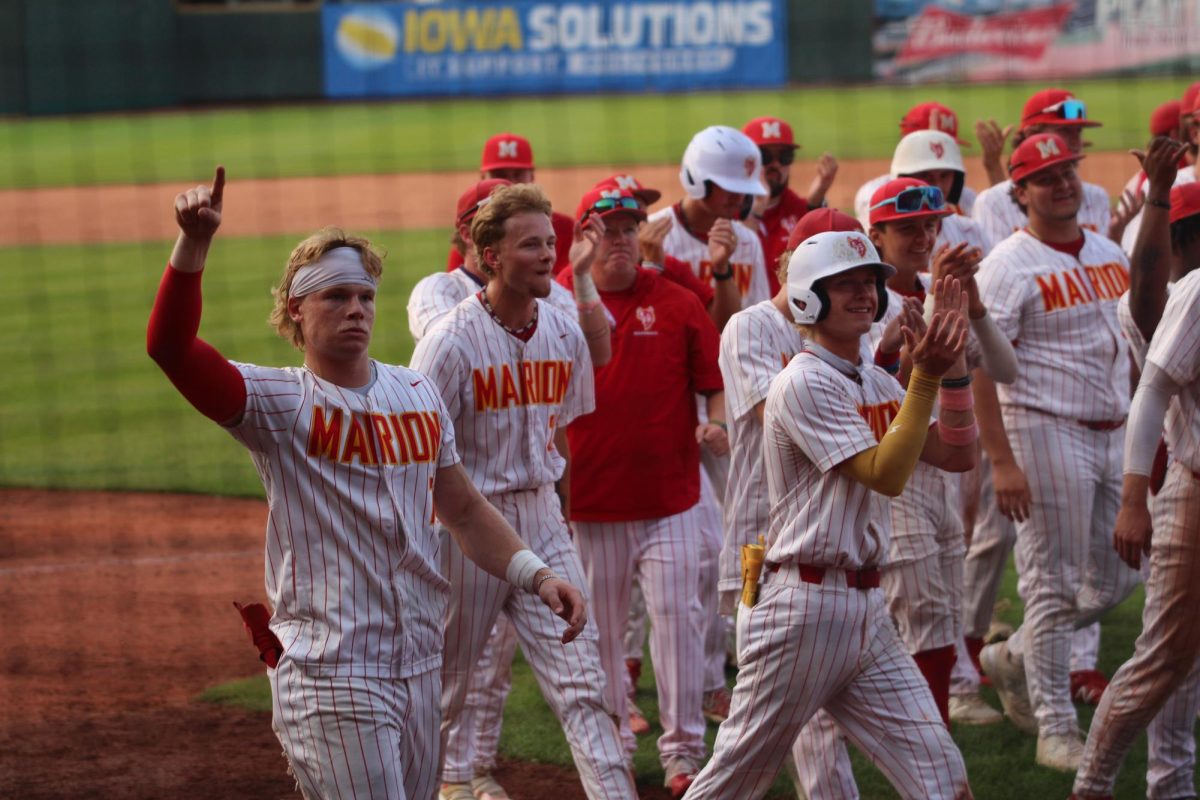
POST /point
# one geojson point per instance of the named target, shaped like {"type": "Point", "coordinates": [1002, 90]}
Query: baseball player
{"type": "Point", "coordinates": [1053, 289]}
{"type": "Point", "coordinates": [1159, 686]}
{"type": "Point", "coordinates": [927, 116]}
{"type": "Point", "coordinates": [838, 435]}
{"type": "Point", "coordinates": [509, 157]}
{"type": "Point", "coordinates": [473, 739]}
{"type": "Point", "coordinates": [776, 213]}
{"type": "Point", "coordinates": [1165, 121]}
{"type": "Point", "coordinates": [514, 372]}
{"type": "Point", "coordinates": [935, 158]}
{"type": "Point", "coordinates": [356, 457]}
{"type": "Point", "coordinates": [636, 475]}
{"type": "Point", "coordinates": [923, 577]}
{"type": "Point", "coordinates": [1059, 112]}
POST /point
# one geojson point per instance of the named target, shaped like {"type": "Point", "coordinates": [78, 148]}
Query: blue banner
{"type": "Point", "coordinates": [461, 48]}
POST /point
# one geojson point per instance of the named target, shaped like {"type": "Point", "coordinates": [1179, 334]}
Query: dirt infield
{"type": "Point", "coordinates": [368, 202]}
{"type": "Point", "coordinates": [117, 614]}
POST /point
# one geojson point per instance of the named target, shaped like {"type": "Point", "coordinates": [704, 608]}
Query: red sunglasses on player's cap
{"type": "Point", "coordinates": [605, 203]}
{"type": "Point", "coordinates": [1164, 121]}
{"type": "Point", "coordinates": [631, 184]}
{"type": "Point", "coordinates": [1185, 202]}
{"type": "Point", "coordinates": [476, 197]}
{"type": "Point", "coordinates": [931, 117]}
{"type": "Point", "coordinates": [1037, 153]}
{"type": "Point", "coordinates": [822, 220]}
{"type": "Point", "coordinates": [506, 151]}
{"type": "Point", "coordinates": [1056, 107]}
{"type": "Point", "coordinates": [907, 198]}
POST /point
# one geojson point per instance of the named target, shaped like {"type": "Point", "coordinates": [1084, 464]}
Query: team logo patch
{"type": "Point", "coordinates": [859, 246]}
{"type": "Point", "coordinates": [750, 164]}
{"type": "Point", "coordinates": [645, 315]}
{"type": "Point", "coordinates": [506, 148]}
{"type": "Point", "coordinates": [1048, 148]}
{"type": "Point", "coordinates": [938, 149]}
{"type": "Point", "coordinates": [770, 130]}
{"type": "Point", "coordinates": [946, 123]}
{"type": "Point", "coordinates": [627, 182]}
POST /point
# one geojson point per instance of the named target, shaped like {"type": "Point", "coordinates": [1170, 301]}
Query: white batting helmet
{"type": "Point", "coordinates": [821, 256]}
{"type": "Point", "coordinates": [724, 156]}
{"type": "Point", "coordinates": [921, 151]}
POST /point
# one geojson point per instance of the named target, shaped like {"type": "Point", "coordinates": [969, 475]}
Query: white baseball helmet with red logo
{"type": "Point", "coordinates": [824, 255]}
{"type": "Point", "coordinates": [724, 156]}
{"type": "Point", "coordinates": [921, 151]}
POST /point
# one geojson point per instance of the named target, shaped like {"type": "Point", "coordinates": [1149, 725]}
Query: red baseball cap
{"type": "Point", "coordinates": [1038, 153]}
{"type": "Point", "coordinates": [1164, 121]}
{"type": "Point", "coordinates": [822, 220]}
{"type": "Point", "coordinates": [766, 131]}
{"type": "Point", "coordinates": [1056, 107]}
{"type": "Point", "coordinates": [892, 211]}
{"type": "Point", "coordinates": [475, 197]}
{"type": "Point", "coordinates": [1191, 100]}
{"type": "Point", "coordinates": [1185, 201]}
{"type": "Point", "coordinates": [608, 202]}
{"type": "Point", "coordinates": [506, 151]}
{"type": "Point", "coordinates": [931, 117]}
{"type": "Point", "coordinates": [633, 186]}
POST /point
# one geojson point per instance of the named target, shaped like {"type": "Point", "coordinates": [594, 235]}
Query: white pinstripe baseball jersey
{"type": "Point", "coordinates": [957, 229]}
{"type": "Point", "coordinates": [1129, 237]}
{"type": "Point", "coordinates": [1062, 314]}
{"type": "Point", "coordinates": [436, 295]}
{"type": "Point", "coordinates": [862, 199]}
{"type": "Point", "coordinates": [817, 416]}
{"type": "Point", "coordinates": [1133, 335]}
{"type": "Point", "coordinates": [508, 397]}
{"type": "Point", "coordinates": [352, 550]}
{"type": "Point", "coordinates": [1000, 217]}
{"type": "Point", "coordinates": [755, 346]}
{"type": "Point", "coordinates": [1175, 349]}
{"type": "Point", "coordinates": [747, 261]}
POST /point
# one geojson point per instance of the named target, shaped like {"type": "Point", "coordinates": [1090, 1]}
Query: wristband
{"type": "Point", "coordinates": [960, 399]}
{"type": "Point", "coordinates": [723, 276]}
{"type": "Point", "coordinates": [957, 383]}
{"type": "Point", "coordinates": [719, 424]}
{"type": "Point", "coordinates": [522, 568]}
{"type": "Point", "coordinates": [959, 437]}
{"type": "Point", "coordinates": [585, 290]}
{"type": "Point", "coordinates": [888, 362]}
{"type": "Point", "coordinates": [1158, 203]}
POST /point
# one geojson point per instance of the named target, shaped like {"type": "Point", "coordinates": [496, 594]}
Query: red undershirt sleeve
{"type": "Point", "coordinates": [201, 374]}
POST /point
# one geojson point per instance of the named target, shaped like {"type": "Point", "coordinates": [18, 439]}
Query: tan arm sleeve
{"type": "Point", "coordinates": [887, 467]}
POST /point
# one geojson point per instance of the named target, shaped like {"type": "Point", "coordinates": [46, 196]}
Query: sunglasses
{"type": "Point", "coordinates": [613, 204]}
{"type": "Point", "coordinates": [784, 156]}
{"type": "Point", "coordinates": [467, 215]}
{"type": "Point", "coordinates": [1071, 109]}
{"type": "Point", "coordinates": [915, 198]}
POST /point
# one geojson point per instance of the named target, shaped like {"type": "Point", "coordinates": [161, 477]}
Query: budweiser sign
{"type": "Point", "coordinates": [937, 33]}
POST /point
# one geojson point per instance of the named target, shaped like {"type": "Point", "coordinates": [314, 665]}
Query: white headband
{"type": "Point", "coordinates": [337, 267]}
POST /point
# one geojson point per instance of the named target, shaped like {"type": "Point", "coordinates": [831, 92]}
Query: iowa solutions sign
{"type": "Point", "coordinates": [455, 48]}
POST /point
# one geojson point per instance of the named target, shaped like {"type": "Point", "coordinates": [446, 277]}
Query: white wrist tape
{"type": "Point", "coordinates": [1146, 416]}
{"type": "Point", "coordinates": [522, 567]}
{"type": "Point", "coordinates": [585, 289]}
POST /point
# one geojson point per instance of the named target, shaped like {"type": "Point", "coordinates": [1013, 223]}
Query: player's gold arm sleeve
{"type": "Point", "coordinates": [886, 467]}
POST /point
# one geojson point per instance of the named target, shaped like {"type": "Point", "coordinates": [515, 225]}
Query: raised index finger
{"type": "Point", "coordinates": [218, 186]}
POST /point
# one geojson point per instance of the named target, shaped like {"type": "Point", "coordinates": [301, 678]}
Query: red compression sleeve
{"type": "Point", "coordinates": [199, 372]}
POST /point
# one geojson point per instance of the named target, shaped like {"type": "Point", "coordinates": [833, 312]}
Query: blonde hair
{"type": "Point", "coordinates": [307, 252]}
{"type": "Point", "coordinates": [487, 229]}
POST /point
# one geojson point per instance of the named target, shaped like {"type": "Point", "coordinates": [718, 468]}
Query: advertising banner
{"type": "Point", "coordinates": [460, 48]}
{"type": "Point", "coordinates": [990, 40]}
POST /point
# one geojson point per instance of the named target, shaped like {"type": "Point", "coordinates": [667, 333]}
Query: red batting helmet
{"type": "Point", "coordinates": [506, 151]}
{"type": "Point", "coordinates": [1038, 153]}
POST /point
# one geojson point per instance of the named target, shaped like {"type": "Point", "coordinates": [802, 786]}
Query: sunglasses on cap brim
{"type": "Point", "coordinates": [606, 204]}
{"type": "Point", "coordinates": [470, 212]}
{"type": "Point", "coordinates": [914, 199]}
{"type": "Point", "coordinates": [785, 157]}
{"type": "Point", "coordinates": [1071, 110]}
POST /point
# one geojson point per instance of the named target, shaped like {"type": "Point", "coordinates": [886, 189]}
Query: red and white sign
{"type": "Point", "coordinates": [937, 33]}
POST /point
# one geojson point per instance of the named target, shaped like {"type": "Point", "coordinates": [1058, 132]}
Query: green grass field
{"type": "Point", "coordinates": [357, 138]}
{"type": "Point", "coordinates": [1000, 759]}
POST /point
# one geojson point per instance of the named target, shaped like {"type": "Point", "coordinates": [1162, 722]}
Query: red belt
{"type": "Point", "coordinates": [866, 578]}
{"type": "Point", "coordinates": [1101, 424]}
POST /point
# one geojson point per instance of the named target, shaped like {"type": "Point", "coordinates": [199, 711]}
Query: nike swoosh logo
{"type": "Point", "coordinates": [416, 383]}
{"type": "Point", "coordinates": [562, 335]}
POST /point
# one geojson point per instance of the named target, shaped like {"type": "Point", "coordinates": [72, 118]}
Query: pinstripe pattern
{"type": "Point", "coordinates": [712, 535]}
{"type": "Point", "coordinates": [1000, 217]}
{"type": "Point", "coordinates": [924, 593]}
{"type": "Point", "coordinates": [664, 554]}
{"type": "Point", "coordinates": [1176, 351]}
{"type": "Point", "coordinates": [822, 761]}
{"type": "Point", "coordinates": [1129, 237]}
{"type": "Point", "coordinates": [747, 261]}
{"type": "Point", "coordinates": [862, 199]}
{"type": "Point", "coordinates": [958, 229]}
{"type": "Point", "coordinates": [356, 737]}
{"type": "Point", "coordinates": [436, 295]}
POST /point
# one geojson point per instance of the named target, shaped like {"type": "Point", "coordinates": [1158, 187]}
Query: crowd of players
{"type": "Point", "coordinates": [640, 396]}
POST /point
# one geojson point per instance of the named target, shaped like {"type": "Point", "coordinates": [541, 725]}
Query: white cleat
{"type": "Point", "coordinates": [1008, 678]}
{"type": "Point", "coordinates": [971, 709]}
{"type": "Point", "coordinates": [1060, 752]}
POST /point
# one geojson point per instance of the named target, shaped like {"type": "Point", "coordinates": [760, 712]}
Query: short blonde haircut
{"type": "Point", "coordinates": [487, 229]}
{"type": "Point", "coordinates": [307, 252]}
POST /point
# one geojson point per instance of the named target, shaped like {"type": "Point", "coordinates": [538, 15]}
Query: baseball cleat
{"type": "Point", "coordinates": [679, 785]}
{"type": "Point", "coordinates": [1060, 752]}
{"type": "Point", "coordinates": [971, 709]}
{"type": "Point", "coordinates": [485, 787]}
{"type": "Point", "coordinates": [456, 791]}
{"type": "Point", "coordinates": [680, 775]}
{"type": "Point", "coordinates": [634, 667]}
{"type": "Point", "coordinates": [716, 705]}
{"type": "Point", "coordinates": [1008, 677]}
{"type": "Point", "coordinates": [637, 720]}
{"type": "Point", "coordinates": [1087, 686]}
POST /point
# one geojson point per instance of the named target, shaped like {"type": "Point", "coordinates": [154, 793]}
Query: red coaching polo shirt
{"type": "Point", "coordinates": [775, 228]}
{"type": "Point", "coordinates": [636, 457]}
